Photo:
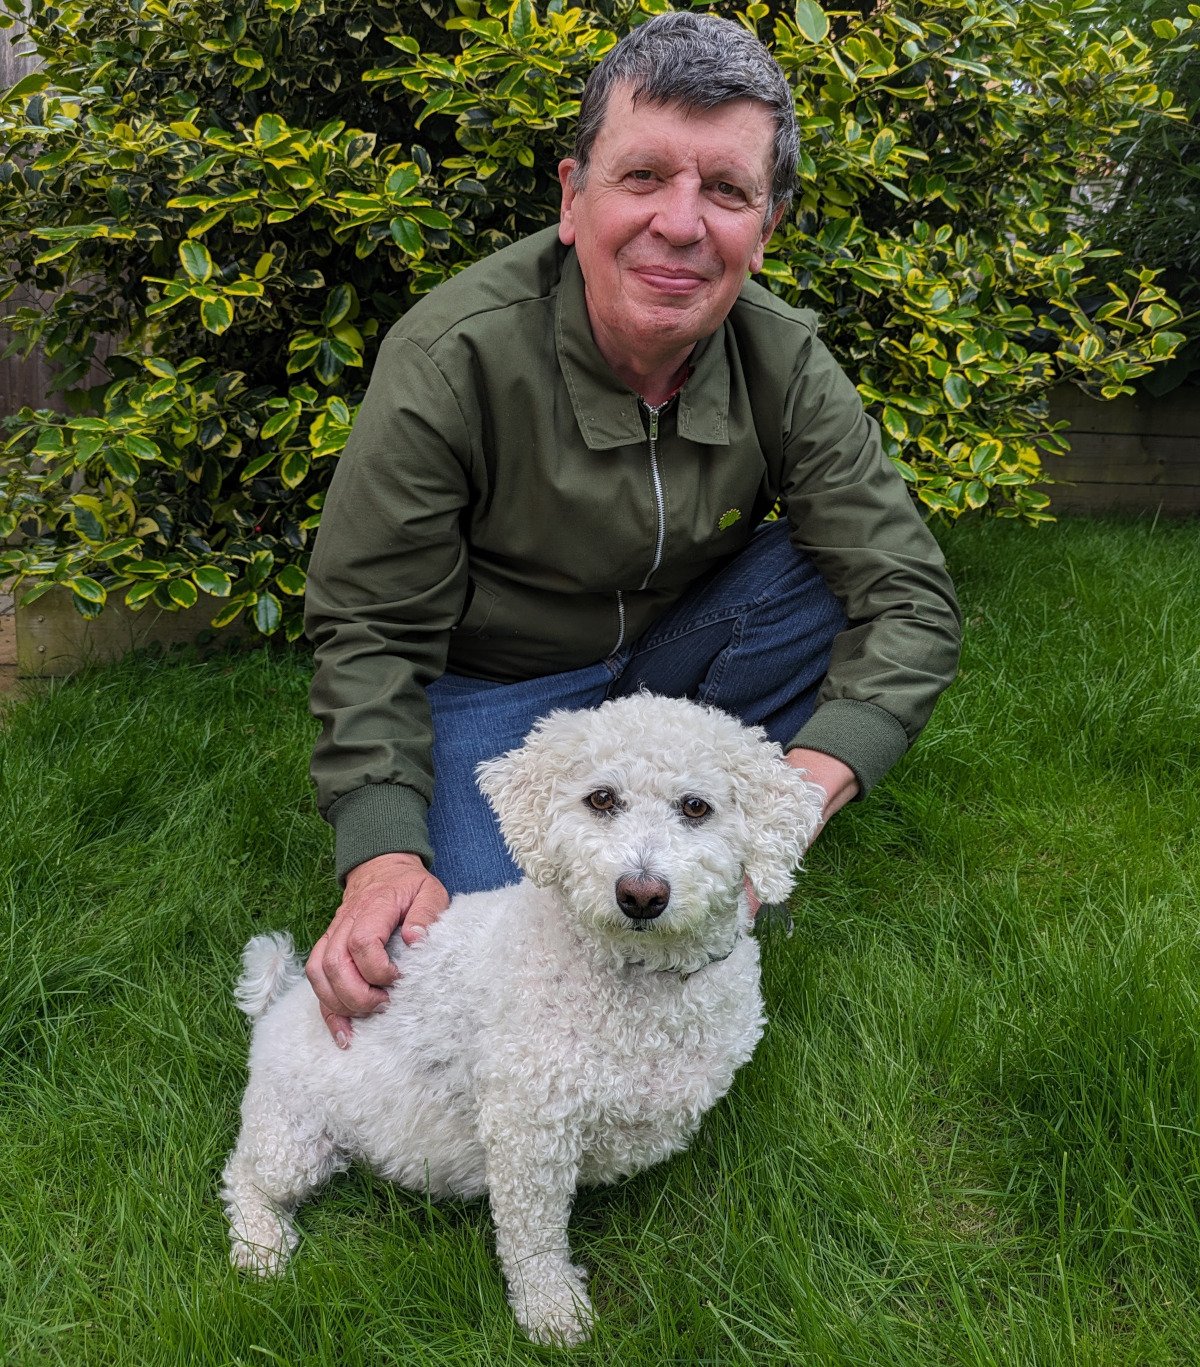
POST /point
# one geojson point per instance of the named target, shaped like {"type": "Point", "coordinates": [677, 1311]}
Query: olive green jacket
{"type": "Point", "coordinates": [501, 511]}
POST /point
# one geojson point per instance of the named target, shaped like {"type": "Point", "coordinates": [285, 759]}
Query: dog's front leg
{"type": "Point", "coordinates": [532, 1170]}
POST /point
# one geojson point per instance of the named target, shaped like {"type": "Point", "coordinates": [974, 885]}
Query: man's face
{"type": "Point", "coordinates": [668, 223]}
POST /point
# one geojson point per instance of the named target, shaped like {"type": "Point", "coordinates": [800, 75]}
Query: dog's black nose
{"type": "Point", "coordinates": [644, 898]}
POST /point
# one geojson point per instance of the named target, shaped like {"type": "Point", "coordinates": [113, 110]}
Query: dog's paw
{"type": "Point", "coordinates": [556, 1311]}
{"type": "Point", "coordinates": [266, 1252]}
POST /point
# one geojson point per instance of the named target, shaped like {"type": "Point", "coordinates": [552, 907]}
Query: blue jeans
{"type": "Point", "coordinates": [753, 638]}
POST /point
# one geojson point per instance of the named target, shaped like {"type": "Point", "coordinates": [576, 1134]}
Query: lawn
{"type": "Point", "coordinates": [970, 1134]}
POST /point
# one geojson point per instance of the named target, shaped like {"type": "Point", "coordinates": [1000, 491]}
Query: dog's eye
{"type": "Point", "coordinates": [602, 800]}
{"type": "Point", "coordinates": [694, 808]}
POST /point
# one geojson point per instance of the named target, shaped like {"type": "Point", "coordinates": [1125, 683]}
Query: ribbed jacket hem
{"type": "Point", "coordinates": [866, 738]}
{"type": "Point", "coordinates": [380, 818]}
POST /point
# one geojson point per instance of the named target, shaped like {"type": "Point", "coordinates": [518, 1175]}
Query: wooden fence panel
{"type": "Point", "coordinates": [28, 381]}
{"type": "Point", "coordinates": [1132, 454]}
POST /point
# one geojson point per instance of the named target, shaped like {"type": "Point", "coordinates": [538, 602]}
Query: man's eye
{"type": "Point", "coordinates": [694, 808]}
{"type": "Point", "coordinates": [602, 800]}
{"type": "Point", "coordinates": [724, 188]}
{"type": "Point", "coordinates": [643, 176]}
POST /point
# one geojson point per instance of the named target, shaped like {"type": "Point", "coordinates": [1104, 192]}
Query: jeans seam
{"type": "Point", "coordinates": [696, 624]}
{"type": "Point", "coordinates": [717, 671]}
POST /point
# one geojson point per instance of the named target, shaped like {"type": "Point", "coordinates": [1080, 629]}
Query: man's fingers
{"type": "Point", "coordinates": [367, 946]}
{"type": "Point", "coordinates": [417, 923]}
{"type": "Point", "coordinates": [340, 990]}
{"type": "Point", "coordinates": [427, 907]}
{"type": "Point", "coordinates": [348, 985]}
{"type": "Point", "coordinates": [340, 1027]}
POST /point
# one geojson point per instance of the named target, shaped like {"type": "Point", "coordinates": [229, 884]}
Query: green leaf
{"type": "Point", "coordinates": [230, 612]}
{"type": "Point", "coordinates": [431, 218]}
{"type": "Point", "coordinates": [87, 589]}
{"type": "Point", "coordinates": [267, 613]}
{"type": "Point", "coordinates": [957, 391]}
{"type": "Point", "coordinates": [257, 465]}
{"type": "Point", "coordinates": [881, 147]}
{"type": "Point", "coordinates": [1158, 315]}
{"type": "Point", "coordinates": [142, 447]}
{"type": "Point", "coordinates": [196, 260]}
{"type": "Point", "coordinates": [293, 468]}
{"type": "Point", "coordinates": [183, 593]}
{"type": "Point", "coordinates": [291, 579]}
{"type": "Point", "coordinates": [338, 305]}
{"type": "Point", "coordinates": [811, 20]}
{"type": "Point", "coordinates": [86, 607]}
{"type": "Point", "coordinates": [212, 581]}
{"type": "Point", "coordinates": [401, 181]}
{"type": "Point", "coordinates": [895, 424]}
{"type": "Point", "coordinates": [88, 524]}
{"type": "Point", "coordinates": [284, 422]}
{"type": "Point", "coordinates": [139, 593]}
{"type": "Point", "coordinates": [29, 85]}
{"type": "Point", "coordinates": [259, 570]}
{"type": "Point", "coordinates": [268, 129]}
{"type": "Point", "coordinates": [121, 464]}
{"type": "Point", "coordinates": [406, 235]}
{"type": "Point", "coordinates": [216, 314]}
{"type": "Point", "coordinates": [521, 19]}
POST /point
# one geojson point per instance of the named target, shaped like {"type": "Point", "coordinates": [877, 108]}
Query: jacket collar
{"type": "Point", "coordinates": [606, 410]}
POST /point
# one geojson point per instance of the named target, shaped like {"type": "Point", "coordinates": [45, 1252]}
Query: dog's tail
{"type": "Point", "coordinates": [270, 967]}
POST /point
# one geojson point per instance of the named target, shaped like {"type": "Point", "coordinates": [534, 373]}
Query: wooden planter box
{"type": "Point", "coordinates": [54, 640]}
{"type": "Point", "coordinates": [1131, 454]}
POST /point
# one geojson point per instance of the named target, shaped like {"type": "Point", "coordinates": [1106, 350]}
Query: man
{"type": "Point", "coordinates": [555, 492]}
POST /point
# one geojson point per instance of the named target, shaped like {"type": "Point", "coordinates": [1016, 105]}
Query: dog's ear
{"type": "Point", "coordinates": [520, 787]}
{"type": "Point", "coordinates": [781, 811]}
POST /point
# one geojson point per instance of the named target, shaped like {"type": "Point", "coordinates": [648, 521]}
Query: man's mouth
{"type": "Point", "coordinates": [670, 281]}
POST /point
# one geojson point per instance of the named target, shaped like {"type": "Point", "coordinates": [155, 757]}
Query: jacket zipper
{"type": "Point", "coordinates": [660, 510]}
{"type": "Point", "coordinates": [660, 514]}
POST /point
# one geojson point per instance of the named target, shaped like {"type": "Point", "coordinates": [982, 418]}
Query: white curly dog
{"type": "Point", "coordinates": [568, 1030]}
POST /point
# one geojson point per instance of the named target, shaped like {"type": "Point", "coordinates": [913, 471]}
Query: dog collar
{"type": "Point", "coordinates": [691, 972]}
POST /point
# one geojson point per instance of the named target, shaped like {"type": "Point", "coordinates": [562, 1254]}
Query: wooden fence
{"type": "Point", "coordinates": [21, 382]}
{"type": "Point", "coordinates": [1131, 454]}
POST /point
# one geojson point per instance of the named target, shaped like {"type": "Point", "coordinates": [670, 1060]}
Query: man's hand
{"type": "Point", "coordinates": [349, 965]}
{"type": "Point", "coordinates": [831, 774]}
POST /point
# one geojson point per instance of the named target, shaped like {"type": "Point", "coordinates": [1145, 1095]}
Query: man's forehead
{"type": "Point", "coordinates": [660, 125]}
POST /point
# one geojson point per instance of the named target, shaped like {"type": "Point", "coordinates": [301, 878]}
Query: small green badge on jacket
{"type": "Point", "coordinates": [728, 519]}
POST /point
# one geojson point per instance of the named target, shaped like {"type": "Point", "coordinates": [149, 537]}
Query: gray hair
{"type": "Point", "coordinates": [697, 62]}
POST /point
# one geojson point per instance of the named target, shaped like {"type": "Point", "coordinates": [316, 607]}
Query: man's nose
{"type": "Point", "coordinates": [679, 217]}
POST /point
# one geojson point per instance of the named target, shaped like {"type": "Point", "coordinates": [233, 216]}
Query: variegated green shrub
{"type": "Point", "coordinates": [235, 198]}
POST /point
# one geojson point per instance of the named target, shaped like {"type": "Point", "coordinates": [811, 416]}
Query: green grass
{"type": "Point", "coordinates": [969, 1135]}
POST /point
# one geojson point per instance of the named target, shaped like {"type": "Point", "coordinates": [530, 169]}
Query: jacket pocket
{"type": "Point", "coordinates": [477, 611]}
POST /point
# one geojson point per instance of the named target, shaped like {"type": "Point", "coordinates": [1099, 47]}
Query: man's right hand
{"type": "Point", "coordinates": [349, 966]}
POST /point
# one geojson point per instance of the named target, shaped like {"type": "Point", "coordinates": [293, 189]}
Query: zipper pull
{"type": "Point", "coordinates": [653, 422]}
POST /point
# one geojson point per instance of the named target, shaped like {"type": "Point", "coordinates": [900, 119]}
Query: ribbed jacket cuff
{"type": "Point", "coordinates": [861, 735]}
{"type": "Point", "coordinates": [380, 818]}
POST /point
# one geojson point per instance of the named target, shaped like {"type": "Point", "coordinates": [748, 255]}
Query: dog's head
{"type": "Point", "coordinates": [646, 814]}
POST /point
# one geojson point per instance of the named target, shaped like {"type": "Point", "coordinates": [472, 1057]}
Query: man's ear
{"type": "Point", "coordinates": [768, 229]}
{"type": "Point", "coordinates": [566, 220]}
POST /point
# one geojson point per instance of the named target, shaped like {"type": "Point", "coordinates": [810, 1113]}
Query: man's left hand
{"type": "Point", "coordinates": [836, 778]}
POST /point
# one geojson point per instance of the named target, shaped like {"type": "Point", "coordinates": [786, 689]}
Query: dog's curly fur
{"type": "Point", "coordinates": [540, 1038]}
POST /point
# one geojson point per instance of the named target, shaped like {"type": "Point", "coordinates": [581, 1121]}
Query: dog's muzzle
{"type": "Point", "coordinates": [643, 898]}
